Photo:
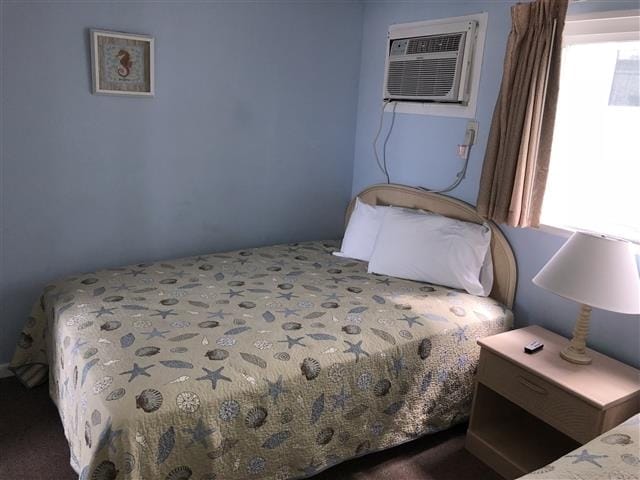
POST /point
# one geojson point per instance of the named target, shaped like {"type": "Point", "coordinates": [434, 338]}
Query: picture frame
{"type": "Point", "coordinates": [122, 63]}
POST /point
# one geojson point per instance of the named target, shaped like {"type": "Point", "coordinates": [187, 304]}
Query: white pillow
{"type": "Point", "coordinates": [362, 230]}
{"type": "Point", "coordinates": [486, 274]}
{"type": "Point", "coordinates": [435, 249]}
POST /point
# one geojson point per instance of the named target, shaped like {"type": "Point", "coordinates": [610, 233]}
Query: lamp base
{"type": "Point", "coordinates": [576, 351]}
{"type": "Point", "coordinates": [574, 356]}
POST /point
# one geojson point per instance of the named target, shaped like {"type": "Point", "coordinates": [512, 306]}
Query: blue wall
{"type": "Point", "coordinates": [249, 139]}
{"type": "Point", "coordinates": [421, 151]}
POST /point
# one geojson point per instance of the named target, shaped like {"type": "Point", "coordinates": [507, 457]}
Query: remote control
{"type": "Point", "coordinates": [533, 347]}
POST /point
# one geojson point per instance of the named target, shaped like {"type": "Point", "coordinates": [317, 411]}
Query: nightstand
{"type": "Point", "coordinates": [530, 409]}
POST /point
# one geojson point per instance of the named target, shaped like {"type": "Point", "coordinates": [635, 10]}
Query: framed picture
{"type": "Point", "coordinates": [122, 63]}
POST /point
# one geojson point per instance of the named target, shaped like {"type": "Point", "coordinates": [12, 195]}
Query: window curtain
{"type": "Point", "coordinates": [516, 161]}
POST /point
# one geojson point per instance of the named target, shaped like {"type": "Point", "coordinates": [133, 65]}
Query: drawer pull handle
{"type": "Point", "coordinates": [532, 386]}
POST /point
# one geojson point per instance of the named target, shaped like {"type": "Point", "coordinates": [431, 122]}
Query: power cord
{"type": "Point", "coordinates": [383, 165]}
{"type": "Point", "coordinates": [459, 177]}
{"type": "Point", "coordinates": [463, 151]}
{"type": "Point", "coordinates": [386, 139]}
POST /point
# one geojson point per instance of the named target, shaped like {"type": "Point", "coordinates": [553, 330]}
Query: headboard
{"type": "Point", "coordinates": [504, 262]}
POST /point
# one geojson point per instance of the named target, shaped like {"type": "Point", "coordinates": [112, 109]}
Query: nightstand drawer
{"type": "Point", "coordinates": [563, 411]}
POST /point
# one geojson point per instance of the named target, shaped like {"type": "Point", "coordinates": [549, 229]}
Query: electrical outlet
{"type": "Point", "coordinates": [469, 139]}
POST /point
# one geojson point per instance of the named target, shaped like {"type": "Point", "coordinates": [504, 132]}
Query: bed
{"type": "Point", "coordinates": [271, 363]}
{"type": "Point", "coordinates": [614, 455]}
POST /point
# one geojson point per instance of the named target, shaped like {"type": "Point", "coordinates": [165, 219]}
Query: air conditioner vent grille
{"type": "Point", "coordinates": [434, 44]}
{"type": "Point", "coordinates": [434, 77]}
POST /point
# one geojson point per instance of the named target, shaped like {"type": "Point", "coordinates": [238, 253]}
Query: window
{"type": "Point", "coordinates": [594, 174]}
{"type": "Point", "coordinates": [625, 87]}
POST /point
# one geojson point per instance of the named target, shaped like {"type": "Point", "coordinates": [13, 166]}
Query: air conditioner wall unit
{"type": "Point", "coordinates": [430, 63]}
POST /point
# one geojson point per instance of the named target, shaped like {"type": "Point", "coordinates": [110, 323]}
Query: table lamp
{"type": "Point", "coordinates": [594, 271]}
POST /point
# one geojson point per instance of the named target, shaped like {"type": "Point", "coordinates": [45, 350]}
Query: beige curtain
{"type": "Point", "coordinates": [516, 161]}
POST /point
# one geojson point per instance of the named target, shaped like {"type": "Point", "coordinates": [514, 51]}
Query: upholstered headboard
{"type": "Point", "coordinates": [504, 263]}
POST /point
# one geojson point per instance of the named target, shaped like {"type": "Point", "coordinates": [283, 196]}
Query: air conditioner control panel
{"type": "Point", "coordinates": [398, 47]}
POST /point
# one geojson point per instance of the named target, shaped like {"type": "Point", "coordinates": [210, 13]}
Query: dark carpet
{"type": "Point", "coordinates": [33, 447]}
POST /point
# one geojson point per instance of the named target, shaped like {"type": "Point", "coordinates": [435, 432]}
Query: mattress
{"type": "Point", "coordinates": [270, 363]}
{"type": "Point", "coordinates": [614, 455]}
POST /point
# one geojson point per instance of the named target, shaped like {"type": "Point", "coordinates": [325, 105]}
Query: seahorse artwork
{"type": "Point", "coordinates": [125, 63]}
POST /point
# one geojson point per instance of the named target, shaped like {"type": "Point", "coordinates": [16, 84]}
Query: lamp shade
{"type": "Point", "coordinates": [596, 271]}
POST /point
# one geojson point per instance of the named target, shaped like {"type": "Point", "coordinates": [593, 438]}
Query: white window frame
{"type": "Point", "coordinates": [611, 26]}
{"type": "Point", "coordinates": [443, 109]}
{"type": "Point", "coordinates": [614, 26]}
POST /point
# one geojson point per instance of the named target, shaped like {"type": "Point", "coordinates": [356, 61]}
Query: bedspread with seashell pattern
{"type": "Point", "coordinates": [269, 363]}
{"type": "Point", "coordinates": [614, 455]}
